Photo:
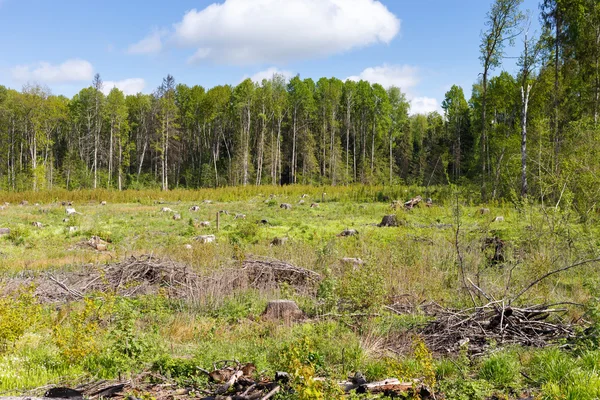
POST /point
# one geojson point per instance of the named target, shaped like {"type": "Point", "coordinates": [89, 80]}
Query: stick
{"type": "Point", "coordinates": [62, 285]}
{"type": "Point", "coordinates": [271, 393]}
{"type": "Point", "coordinates": [225, 387]}
{"type": "Point", "coordinates": [556, 271]}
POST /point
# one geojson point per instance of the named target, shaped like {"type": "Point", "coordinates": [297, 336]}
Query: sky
{"type": "Point", "coordinates": [422, 46]}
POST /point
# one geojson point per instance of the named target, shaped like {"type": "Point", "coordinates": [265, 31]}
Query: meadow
{"type": "Point", "coordinates": [365, 317]}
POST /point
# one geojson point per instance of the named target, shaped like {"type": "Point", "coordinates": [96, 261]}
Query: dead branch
{"type": "Point", "coordinates": [556, 271]}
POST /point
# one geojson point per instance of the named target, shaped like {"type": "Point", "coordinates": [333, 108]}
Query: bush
{"type": "Point", "coordinates": [18, 313]}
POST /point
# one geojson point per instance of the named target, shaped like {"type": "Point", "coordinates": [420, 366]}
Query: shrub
{"type": "Point", "coordinates": [18, 313]}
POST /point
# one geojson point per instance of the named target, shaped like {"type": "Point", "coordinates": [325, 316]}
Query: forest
{"type": "Point", "coordinates": [532, 132]}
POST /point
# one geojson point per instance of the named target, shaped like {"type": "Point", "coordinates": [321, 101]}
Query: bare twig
{"type": "Point", "coordinates": [556, 271]}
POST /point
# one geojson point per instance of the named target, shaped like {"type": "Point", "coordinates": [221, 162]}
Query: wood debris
{"type": "Point", "coordinates": [410, 204]}
{"type": "Point", "coordinates": [478, 327]}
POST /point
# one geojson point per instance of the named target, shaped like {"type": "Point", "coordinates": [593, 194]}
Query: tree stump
{"type": "Point", "coordinates": [389, 220]}
{"type": "Point", "coordinates": [283, 309]}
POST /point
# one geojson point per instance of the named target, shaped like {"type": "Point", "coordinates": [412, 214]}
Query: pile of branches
{"type": "Point", "coordinates": [148, 274]}
{"type": "Point", "coordinates": [269, 269]}
{"type": "Point", "coordinates": [478, 327]}
{"type": "Point", "coordinates": [130, 277]}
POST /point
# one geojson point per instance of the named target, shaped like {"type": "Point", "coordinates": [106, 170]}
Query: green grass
{"type": "Point", "coordinates": [411, 264]}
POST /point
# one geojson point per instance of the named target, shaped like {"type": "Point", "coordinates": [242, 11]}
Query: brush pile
{"type": "Point", "coordinates": [476, 329]}
{"type": "Point", "coordinates": [147, 274]}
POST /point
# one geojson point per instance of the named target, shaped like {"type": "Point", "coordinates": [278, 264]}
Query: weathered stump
{"type": "Point", "coordinates": [283, 309]}
{"type": "Point", "coordinates": [389, 220]}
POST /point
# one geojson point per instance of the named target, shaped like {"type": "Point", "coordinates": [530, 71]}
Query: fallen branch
{"type": "Point", "coordinates": [556, 271]}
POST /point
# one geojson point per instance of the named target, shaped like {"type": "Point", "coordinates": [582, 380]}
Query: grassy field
{"type": "Point", "coordinates": [358, 318]}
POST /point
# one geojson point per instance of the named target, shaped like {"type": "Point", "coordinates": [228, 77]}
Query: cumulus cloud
{"type": "Point", "coordinates": [246, 32]}
{"type": "Point", "coordinates": [152, 43]}
{"type": "Point", "coordinates": [130, 86]}
{"type": "Point", "coordinates": [407, 78]}
{"type": "Point", "coordinates": [424, 105]}
{"type": "Point", "coordinates": [403, 76]}
{"type": "Point", "coordinates": [74, 70]}
{"type": "Point", "coordinates": [268, 74]}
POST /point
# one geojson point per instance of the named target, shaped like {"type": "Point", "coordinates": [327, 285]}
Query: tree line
{"type": "Point", "coordinates": [531, 132]}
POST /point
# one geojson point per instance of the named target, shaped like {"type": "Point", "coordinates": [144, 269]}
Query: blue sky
{"type": "Point", "coordinates": [423, 46]}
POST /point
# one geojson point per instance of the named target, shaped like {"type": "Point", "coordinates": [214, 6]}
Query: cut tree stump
{"type": "Point", "coordinates": [389, 220]}
{"type": "Point", "coordinates": [283, 309]}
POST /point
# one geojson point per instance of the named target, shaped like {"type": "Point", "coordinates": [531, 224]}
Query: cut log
{"type": "Point", "coordinates": [37, 224]}
{"type": "Point", "coordinates": [63, 393]}
{"type": "Point", "coordinates": [389, 220]}
{"type": "Point", "coordinates": [240, 216]}
{"type": "Point", "coordinates": [483, 211]}
{"type": "Point", "coordinates": [314, 205]}
{"type": "Point", "coordinates": [176, 217]}
{"type": "Point", "coordinates": [499, 219]}
{"type": "Point", "coordinates": [195, 208]}
{"type": "Point", "coordinates": [4, 231]}
{"type": "Point", "coordinates": [286, 206]}
{"type": "Point", "coordinates": [413, 202]}
{"type": "Point", "coordinates": [283, 309]}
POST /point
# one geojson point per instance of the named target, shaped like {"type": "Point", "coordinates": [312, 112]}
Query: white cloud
{"type": "Point", "coordinates": [152, 43]}
{"type": "Point", "coordinates": [424, 105]}
{"type": "Point", "coordinates": [130, 86]}
{"type": "Point", "coordinates": [407, 78]}
{"type": "Point", "coordinates": [245, 32]}
{"type": "Point", "coordinates": [268, 74]}
{"type": "Point", "coordinates": [403, 76]}
{"type": "Point", "coordinates": [73, 70]}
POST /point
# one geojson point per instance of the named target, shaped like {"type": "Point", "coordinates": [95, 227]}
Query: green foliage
{"type": "Point", "coordinates": [18, 235]}
{"type": "Point", "coordinates": [19, 313]}
{"type": "Point", "coordinates": [75, 331]}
